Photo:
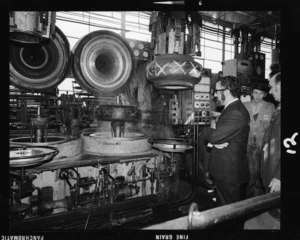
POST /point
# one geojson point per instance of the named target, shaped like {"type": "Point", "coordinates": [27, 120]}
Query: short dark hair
{"type": "Point", "coordinates": [275, 68]}
{"type": "Point", "coordinates": [233, 84]}
{"type": "Point", "coordinates": [278, 78]}
{"type": "Point", "coordinates": [260, 86]}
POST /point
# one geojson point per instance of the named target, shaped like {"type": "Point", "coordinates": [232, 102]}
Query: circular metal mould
{"type": "Point", "coordinates": [171, 144]}
{"type": "Point", "coordinates": [119, 113]}
{"type": "Point", "coordinates": [101, 143]}
{"type": "Point", "coordinates": [30, 156]}
{"type": "Point", "coordinates": [41, 66]}
{"type": "Point", "coordinates": [102, 62]}
{"type": "Point", "coordinates": [34, 58]}
{"type": "Point", "coordinates": [130, 136]}
{"type": "Point", "coordinates": [51, 140]}
{"type": "Point", "coordinates": [174, 72]}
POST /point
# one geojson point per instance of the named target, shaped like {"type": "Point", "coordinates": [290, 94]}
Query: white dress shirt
{"type": "Point", "coordinates": [231, 102]}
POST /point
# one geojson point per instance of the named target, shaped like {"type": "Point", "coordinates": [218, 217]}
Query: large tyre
{"type": "Point", "coordinates": [41, 66]}
{"type": "Point", "coordinates": [102, 63]}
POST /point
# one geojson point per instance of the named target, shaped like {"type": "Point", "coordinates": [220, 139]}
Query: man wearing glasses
{"type": "Point", "coordinates": [228, 142]}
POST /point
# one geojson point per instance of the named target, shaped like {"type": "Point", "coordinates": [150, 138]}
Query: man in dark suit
{"type": "Point", "coordinates": [228, 157]}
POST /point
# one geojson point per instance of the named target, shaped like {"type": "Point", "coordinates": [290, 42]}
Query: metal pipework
{"type": "Point", "coordinates": [39, 127]}
{"type": "Point", "coordinates": [118, 115]}
{"type": "Point", "coordinates": [208, 218]}
{"type": "Point", "coordinates": [117, 129]}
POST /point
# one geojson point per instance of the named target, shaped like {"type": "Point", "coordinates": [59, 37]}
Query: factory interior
{"type": "Point", "coordinates": [108, 112]}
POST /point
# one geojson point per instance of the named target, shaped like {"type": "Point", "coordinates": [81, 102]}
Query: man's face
{"type": "Point", "coordinates": [219, 93]}
{"type": "Point", "coordinates": [275, 89]}
{"type": "Point", "coordinates": [258, 95]}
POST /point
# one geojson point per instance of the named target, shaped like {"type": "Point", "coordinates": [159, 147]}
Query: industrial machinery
{"type": "Point", "coordinates": [91, 162]}
{"type": "Point", "coordinates": [242, 69]}
{"type": "Point", "coordinates": [31, 27]}
{"type": "Point", "coordinates": [111, 181]}
{"type": "Point", "coordinates": [173, 67]}
{"type": "Point", "coordinates": [126, 151]}
{"type": "Point", "coordinates": [104, 171]}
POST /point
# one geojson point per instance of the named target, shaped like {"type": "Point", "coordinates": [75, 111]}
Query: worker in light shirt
{"type": "Point", "coordinates": [271, 162]}
{"type": "Point", "coordinates": [261, 113]}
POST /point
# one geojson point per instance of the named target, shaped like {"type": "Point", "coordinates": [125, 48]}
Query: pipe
{"type": "Point", "coordinates": [208, 218]}
{"type": "Point", "coordinates": [223, 45]}
{"type": "Point", "coordinates": [236, 45]}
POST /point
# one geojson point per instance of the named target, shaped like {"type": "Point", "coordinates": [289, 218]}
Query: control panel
{"type": "Point", "coordinates": [201, 102]}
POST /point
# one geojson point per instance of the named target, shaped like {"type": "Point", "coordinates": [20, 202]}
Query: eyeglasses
{"type": "Point", "coordinates": [219, 90]}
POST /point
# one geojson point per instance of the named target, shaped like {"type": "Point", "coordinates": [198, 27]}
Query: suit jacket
{"type": "Point", "coordinates": [230, 163]}
{"type": "Point", "coordinates": [272, 150]}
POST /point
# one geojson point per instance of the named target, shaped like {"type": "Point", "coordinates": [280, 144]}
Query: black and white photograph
{"type": "Point", "coordinates": [160, 120]}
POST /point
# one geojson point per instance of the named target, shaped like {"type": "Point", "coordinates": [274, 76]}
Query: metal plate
{"type": "Point", "coordinates": [171, 144]}
{"type": "Point", "coordinates": [51, 140]}
{"type": "Point", "coordinates": [30, 156]}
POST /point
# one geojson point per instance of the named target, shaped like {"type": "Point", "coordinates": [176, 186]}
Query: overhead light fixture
{"type": "Point", "coordinates": [175, 2]}
{"type": "Point", "coordinates": [170, 2]}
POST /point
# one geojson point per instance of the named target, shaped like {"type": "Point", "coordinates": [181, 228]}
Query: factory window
{"type": "Point", "coordinates": [229, 47]}
{"type": "Point", "coordinates": [137, 26]}
{"type": "Point", "coordinates": [266, 48]}
{"type": "Point", "coordinates": [215, 66]}
{"type": "Point", "coordinates": [199, 60]}
{"type": "Point", "coordinates": [212, 46]}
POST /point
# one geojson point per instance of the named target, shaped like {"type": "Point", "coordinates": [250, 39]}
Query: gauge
{"type": "Point", "coordinates": [145, 54]}
{"type": "Point", "coordinates": [141, 46]}
{"type": "Point", "coordinates": [258, 70]}
{"type": "Point", "coordinates": [131, 44]}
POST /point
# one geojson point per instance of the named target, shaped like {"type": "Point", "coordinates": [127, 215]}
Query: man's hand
{"type": "Point", "coordinates": [215, 114]}
{"type": "Point", "coordinates": [275, 185]}
{"type": "Point", "coordinates": [221, 146]}
{"type": "Point", "coordinates": [213, 124]}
